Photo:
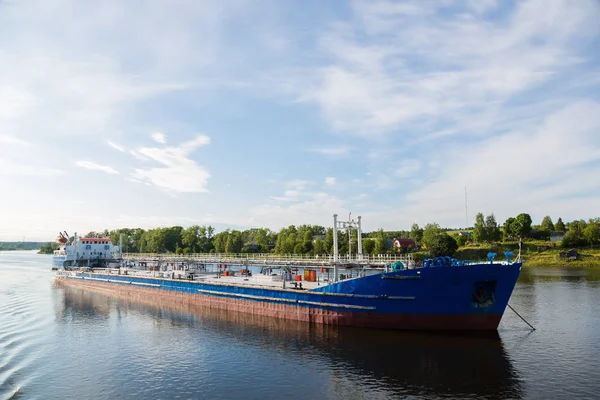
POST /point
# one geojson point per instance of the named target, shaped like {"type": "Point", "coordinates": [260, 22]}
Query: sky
{"type": "Point", "coordinates": [268, 113]}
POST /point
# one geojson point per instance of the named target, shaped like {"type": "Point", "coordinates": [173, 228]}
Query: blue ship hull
{"type": "Point", "coordinates": [469, 297]}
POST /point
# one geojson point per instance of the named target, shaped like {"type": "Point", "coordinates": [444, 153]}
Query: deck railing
{"type": "Point", "coordinates": [270, 258]}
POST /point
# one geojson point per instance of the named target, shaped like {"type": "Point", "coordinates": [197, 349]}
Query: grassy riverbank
{"type": "Point", "coordinates": [534, 254]}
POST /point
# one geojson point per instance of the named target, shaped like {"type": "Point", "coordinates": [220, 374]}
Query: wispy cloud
{"type": "Point", "coordinates": [179, 173]}
{"type": "Point", "coordinates": [441, 64]}
{"type": "Point", "coordinates": [97, 167]}
{"type": "Point", "coordinates": [526, 170]}
{"type": "Point", "coordinates": [330, 181]}
{"type": "Point", "coordinates": [159, 137]}
{"type": "Point", "coordinates": [332, 151]}
{"type": "Point", "coordinates": [406, 101]}
{"type": "Point", "coordinates": [137, 155]}
{"type": "Point", "coordinates": [115, 146]}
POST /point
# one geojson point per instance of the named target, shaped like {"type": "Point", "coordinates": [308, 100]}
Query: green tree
{"type": "Point", "coordinates": [368, 246]}
{"type": "Point", "coordinates": [444, 246]}
{"type": "Point", "coordinates": [461, 240]}
{"type": "Point", "coordinates": [492, 230]}
{"type": "Point", "coordinates": [380, 243]}
{"type": "Point", "coordinates": [572, 239]}
{"type": "Point", "coordinates": [328, 243]}
{"type": "Point", "coordinates": [380, 246]}
{"type": "Point", "coordinates": [591, 233]}
{"type": "Point", "coordinates": [560, 225]}
{"type": "Point", "coordinates": [190, 238]}
{"type": "Point", "coordinates": [416, 233]}
{"type": "Point", "coordinates": [480, 234]}
{"type": "Point", "coordinates": [220, 241]}
{"type": "Point", "coordinates": [319, 247]}
{"type": "Point", "coordinates": [234, 242]}
{"type": "Point", "coordinates": [48, 248]}
{"type": "Point", "coordinates": [577, 227]}
{"type": "Point", "coordinates": [172, 238]}
{"type": "Point", "coordinates": [547, 224]}
{"type": "Point", "coordinates": [521, 227]}
{"type": "Point", "coordinates": [438, 242]}
{"type": "Point", "coordinates": [153, 241]}
{"type": "Point", "coordinates": [307, 243]}
{"type": "Point", "coordinates": [508, 228]}
{"type": "Point", "coordinates": [431, 234]}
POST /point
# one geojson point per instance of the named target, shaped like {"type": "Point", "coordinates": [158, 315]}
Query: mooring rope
{"type": "Point", "coordinates": [524, 320]}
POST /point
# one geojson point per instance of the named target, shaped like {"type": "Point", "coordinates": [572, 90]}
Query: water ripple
{"type": "Point", "coordinates": [60, 343]}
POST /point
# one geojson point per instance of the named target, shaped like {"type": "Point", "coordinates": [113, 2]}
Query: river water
{"type": "Point", "coordinates": [58, 343]}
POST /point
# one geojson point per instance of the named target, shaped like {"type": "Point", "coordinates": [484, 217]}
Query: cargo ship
{"type": "Point", "coordinates": [355, 290]}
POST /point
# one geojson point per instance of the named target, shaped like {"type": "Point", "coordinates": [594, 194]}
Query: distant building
{"type": "Point", "coordinates": [465, 233]}
{"type": "Point", "coordinates": [403, 243]}
{"type": "Point", "coordinates": [570, 255]}
{"type": "Point", "coordinates": [556, 236]}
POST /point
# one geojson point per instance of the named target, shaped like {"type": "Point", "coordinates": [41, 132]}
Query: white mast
{"type": "Point", "coordinates": [349, 225]}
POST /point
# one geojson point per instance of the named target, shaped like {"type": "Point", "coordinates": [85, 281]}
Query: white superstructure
{"type": "Point", "coordinates": [85, 252]}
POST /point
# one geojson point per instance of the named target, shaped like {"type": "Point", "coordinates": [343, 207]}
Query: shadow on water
{"type": "Point", "coordinates": [401, 363]}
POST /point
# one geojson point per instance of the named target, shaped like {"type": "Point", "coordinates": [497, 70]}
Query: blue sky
{"type": "Point", "coordinates": [269, 113]}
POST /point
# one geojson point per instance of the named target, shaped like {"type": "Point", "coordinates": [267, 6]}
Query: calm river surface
{"type": "Point", "coordinates": [67, 344]}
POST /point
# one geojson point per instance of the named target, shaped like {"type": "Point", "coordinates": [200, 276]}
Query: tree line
{"type": "Point", "coordinates": [20, 245]}
{"type": "Point", "coordinates": [431, 239]}
{"type": "Point", "coordinates": [576, 233]}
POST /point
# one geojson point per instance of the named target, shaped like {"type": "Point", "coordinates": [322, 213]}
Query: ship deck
{"type": "Point", "coordinates": [255, 280]}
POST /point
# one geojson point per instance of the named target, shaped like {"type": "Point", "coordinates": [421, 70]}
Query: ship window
{"type": "Point", "coordinates": [106, 247]}
{"type": "Point", "coordinates": [88, 247]}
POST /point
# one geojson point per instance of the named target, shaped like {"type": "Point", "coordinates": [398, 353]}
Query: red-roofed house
{"type": "Point", "coordinates": [403, 243]}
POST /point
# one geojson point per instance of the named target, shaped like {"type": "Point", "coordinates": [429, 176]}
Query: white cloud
{"type": "Point", "coordinates": [159, 137]}
{"type": "Point", "coordinates": [115, 146]}
{"type": "Point", "coordinates": [138, 156]}
{"type": "Point", "coordinates": [293, 194]}
{"type": "Point", "coordinates": [179, 173]}
{"type": "Point", "coordinates": [97, 167]}
{"type": "Point", "coordinates": [542, 170]}
{"type": "Point", "coordinates": [330, 181]}
{"type": "Point", "coordinates": [441, 66]}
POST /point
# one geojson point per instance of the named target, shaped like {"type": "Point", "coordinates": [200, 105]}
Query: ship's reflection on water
{"type": "Point", "coordinates": [353, 363]}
